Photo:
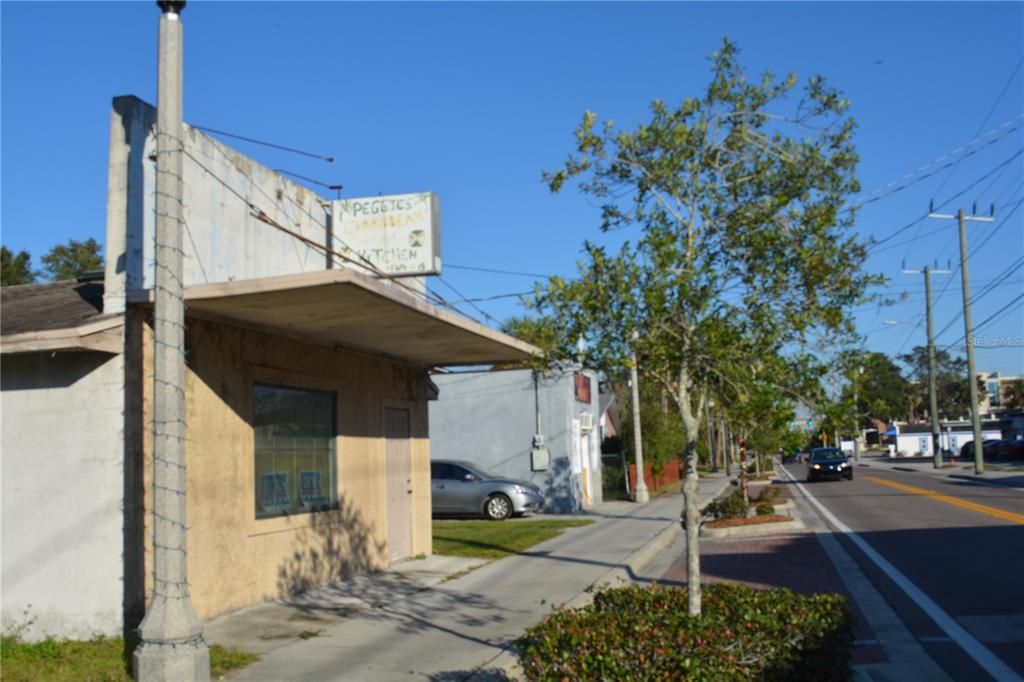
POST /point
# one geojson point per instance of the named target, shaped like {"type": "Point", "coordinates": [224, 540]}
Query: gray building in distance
{"type": "Point", "coordinates": [493, 418]}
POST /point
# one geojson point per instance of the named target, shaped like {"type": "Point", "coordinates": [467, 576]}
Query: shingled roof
{"type": "Point", "coordinates": [53, 316]}
{"type": "Point", "coordinates": [44, 307]}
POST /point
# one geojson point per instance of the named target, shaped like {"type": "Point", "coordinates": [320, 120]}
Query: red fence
{"type": "Point", "coordinates": [671, 473]}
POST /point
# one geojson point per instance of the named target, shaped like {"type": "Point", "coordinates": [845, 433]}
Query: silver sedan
{"type": "Point", "coordinates": [459, 487]}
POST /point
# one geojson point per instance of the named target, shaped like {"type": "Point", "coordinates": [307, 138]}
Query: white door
{"type": "Point", "coordinates": [398, 453]}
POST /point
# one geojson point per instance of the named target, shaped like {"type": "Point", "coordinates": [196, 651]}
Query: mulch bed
{"type": "Point", "coordinates": [749, 521]}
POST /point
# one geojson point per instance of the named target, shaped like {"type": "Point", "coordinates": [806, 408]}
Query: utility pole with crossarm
{"type": "Point", "coordinates": [972, 381]}
{"type": "Point", "coordinates": [933, 401]}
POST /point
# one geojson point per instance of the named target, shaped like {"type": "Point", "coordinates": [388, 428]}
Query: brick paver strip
{"type": "Point", "coordinates": [795, 561]}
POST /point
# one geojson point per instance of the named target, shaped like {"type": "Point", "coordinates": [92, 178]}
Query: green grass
{"type": "Point", "coordinates": [496, 539]}
{"type": "Point", "coordinates": [98, 660]}
{"type": "Point", "coordinates": [224, 660]}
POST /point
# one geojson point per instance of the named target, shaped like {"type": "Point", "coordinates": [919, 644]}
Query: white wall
{"type": "Point", "coordinates": [223, 191]}
{"type": "Point", "coordinates": [62, 488]}
{"type": "Point", "coordinates": [911, 443]}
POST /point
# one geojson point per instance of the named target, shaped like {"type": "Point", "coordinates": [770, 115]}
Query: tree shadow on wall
{"type": "Point", "coordinates": [337, 545]}
{"type": "Point", "coordinates": [561, 495]}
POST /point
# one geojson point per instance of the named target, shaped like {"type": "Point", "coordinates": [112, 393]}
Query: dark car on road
{"type": "Point", "coordinates": [1012, 448]}
{"type": "Point", "coordinates": [825, 463]}
{"type": "Point", "coordinates": [987, 449]}
{"type": "Point", "coordinates": [463, 488]}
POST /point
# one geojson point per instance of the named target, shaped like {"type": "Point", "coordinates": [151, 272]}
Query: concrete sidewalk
{"type": "Point", "coordinates": [409, 623]}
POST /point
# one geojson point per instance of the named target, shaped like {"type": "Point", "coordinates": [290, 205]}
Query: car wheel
{"type": "Point", "coordinates": [498, 507]}
{"type": "Point", "coordinates": [849, 476]}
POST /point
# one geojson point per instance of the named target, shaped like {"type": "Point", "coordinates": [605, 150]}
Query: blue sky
{"type": "Point", "coordinates": [473, 100]}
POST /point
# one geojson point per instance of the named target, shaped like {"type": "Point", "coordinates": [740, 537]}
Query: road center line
{"type": "Point", "coordinates": [949, 499]}
{"type": "Point", "coordinates": [972, 647]}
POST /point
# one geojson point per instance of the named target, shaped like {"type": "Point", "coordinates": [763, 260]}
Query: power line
{"type": "Point", "coordinates": [987, 116]}
{"type": "Point", "coordinates": [906, 227]}
{"type": "Point", "coordinates": [497, 271]}
{"type": "Point", "coordinates": [328, 159]}
{"type": "Point", "coordinates": [1016, 265]}
{"type": "Point", "coordinates": [464, 298]}
{"type": "Point", "coordinates": [496, 297]}
{"type": "Point", "coordinates": [362, 262]}
{"type": "Point", "coordinates": [991, 318]}
{"type": "Point", "coordinates": [996, 229]}
{"type": "Point", "coordinates": [1013, 125]}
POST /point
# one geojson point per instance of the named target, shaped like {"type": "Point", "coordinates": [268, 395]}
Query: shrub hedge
{"type": "Point", "coordinates": [643, 633]}
{"type": "Point", "coordinates": [732, 506]}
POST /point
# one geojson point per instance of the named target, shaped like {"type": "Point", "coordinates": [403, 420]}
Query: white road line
{"type": "Point", "coordinates": [972, 647]}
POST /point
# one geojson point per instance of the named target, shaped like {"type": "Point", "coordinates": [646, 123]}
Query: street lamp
{"type": "Point", "coordinates": [640, 492]}
{"type": "Point", "coordinates": [856, 413]}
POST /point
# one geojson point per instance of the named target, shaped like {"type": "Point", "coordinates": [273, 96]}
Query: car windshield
{"type": "Point", "coordinates": [826, 453]}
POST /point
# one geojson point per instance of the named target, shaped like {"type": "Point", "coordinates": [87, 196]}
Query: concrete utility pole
{"type": "Point", "coordinates": [933, 400]}
{"type": "Point", "coordinates": [972, 378]}
{"type": "Point", "coordinates": [172, 647]}
{"type": "Point", "coordinates": [640, 493]}
{"type": "Point", "coordinates": [856, 417]}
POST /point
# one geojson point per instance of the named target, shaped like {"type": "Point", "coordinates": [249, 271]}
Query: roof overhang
{"type": "Point", "coordinates": [103, 336]}
{"type": "Point", "coordinates": [344, 309]}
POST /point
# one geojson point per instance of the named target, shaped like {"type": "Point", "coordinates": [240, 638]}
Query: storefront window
{"type": "Point", "coordinates": [295, 435]}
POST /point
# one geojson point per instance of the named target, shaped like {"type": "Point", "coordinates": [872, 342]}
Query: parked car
{"type": "Point", "coordinates": [825, 463]}
{"type": "Point", "coordinates": [459, 487]}
{"type": "Point", "coordinates": [967, 451]}
{"type": "Point", "coordinates": [1008, 449]}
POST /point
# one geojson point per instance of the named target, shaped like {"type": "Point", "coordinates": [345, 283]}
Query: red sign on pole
{"type": "Point", "coordinates": [582, 387]}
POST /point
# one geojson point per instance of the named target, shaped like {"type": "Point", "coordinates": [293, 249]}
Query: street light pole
{"type": "Point", "coordinates": [856, 417]}
{"type": "Point", "coordinates": [172, 647]}
{"type": "Point", "coordinates": [640, 492]}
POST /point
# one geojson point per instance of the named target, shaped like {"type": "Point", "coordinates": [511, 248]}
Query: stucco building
{"type": "Point", "coordinates": [307, 447]}
{"type": "Point", "coordinates": [493, 418]}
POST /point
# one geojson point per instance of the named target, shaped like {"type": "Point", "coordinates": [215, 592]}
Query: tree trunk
{"type": "Point", "coordinates": [691, 424]}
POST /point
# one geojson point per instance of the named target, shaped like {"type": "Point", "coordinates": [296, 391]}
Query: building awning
{"type": "Point", "coordinates": [345, 309]}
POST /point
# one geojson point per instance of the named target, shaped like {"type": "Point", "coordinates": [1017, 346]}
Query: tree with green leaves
{"type": "Point", "coordinates": [882, 390]}
{"type": "Point", "coordinates": [1013, 394]}
{"type": "Point", "coordinates": [16, 268]}
{"type": "Point", "coordinates": [68, 261]}
{"type": "Point", "coordinates": [661, 433]}
{"type": "Point", "coordinates": [951, 388]}
{"type": "Point", "coordinates": [743, 258]}
{"type": "Point", "coordinates": [538, 331]}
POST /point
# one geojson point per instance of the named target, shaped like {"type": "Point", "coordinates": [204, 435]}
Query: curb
{"type": "Point", "coordinates": [755, 530]}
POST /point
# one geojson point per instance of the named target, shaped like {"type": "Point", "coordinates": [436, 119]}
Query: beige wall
{"type": "Point", "coordinates": [235, 559]}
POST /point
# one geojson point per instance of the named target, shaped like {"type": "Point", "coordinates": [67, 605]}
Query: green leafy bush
{"type": "Point", "coordinates": [764, 507]}
{"type": "Point", "coordinates": [768, 493]}
{"type": "Point", "coordinates": [732, 506]}
{"type": "Point", "coordinates": [643, 633]}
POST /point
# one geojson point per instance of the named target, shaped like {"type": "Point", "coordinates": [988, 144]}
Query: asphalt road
{"type": "Point", "coordinates": [960, 543]}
